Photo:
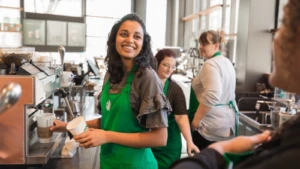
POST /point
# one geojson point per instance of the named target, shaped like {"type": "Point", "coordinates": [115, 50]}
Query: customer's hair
{"type": "Point", "coordinates": [216, 37]}
{"type": "Point", "coordinates": [291, 34]}
{"type": "Point", "coordinates": [113, 58]}
{"type": "Point", "coordinates": [290, 37]}
{"type": "Point", "coordinates": [161, 54]}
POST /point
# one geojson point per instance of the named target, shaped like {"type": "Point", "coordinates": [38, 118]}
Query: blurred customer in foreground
{"type": "Point", "coordinates": [178, 119]}
{"type": "Point", "coordinates": [212, 109]}
{"type": "Point", "coordinates": [282, 150]}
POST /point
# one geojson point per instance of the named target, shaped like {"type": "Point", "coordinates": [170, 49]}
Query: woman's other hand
{"type": "Point", "coordinates": [91, 138]}
{"type": "Point", "coordinates": [241, 144]}
{"type": "Point", "coordinates": [59, 126]}
{"type": "Point", "coordinates": [192, 149]}
{"type": "Point", "coordinates": [195, 125]}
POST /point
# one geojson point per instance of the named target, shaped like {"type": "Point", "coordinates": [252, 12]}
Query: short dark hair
{"type": "Point", "coordinates": [161, 54]}
{"type": "Point", "coordinates": [113, 58]}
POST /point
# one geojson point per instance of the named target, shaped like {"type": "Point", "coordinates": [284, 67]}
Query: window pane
{"type": "Point", "coordinates": [99, 26]}
{"type": "Point", "coordinates": [101, 15]}
{"type": "Point", "coordinates": [10, 21]}
{"type": "Point", "coordinates": [74, 8]}
{"type": "Point", "coordinates": [215, 2]}
{"type": "Point", "coordinates": [156, 22]}
{"type": "Point", "coordinates": [10, 39]}
{"type": "Point", "coordinates": [215, 20]}
{"type": "Point", "coordinates": [111, 8]}
{"type": "Point", "coordinates": [96, 46]}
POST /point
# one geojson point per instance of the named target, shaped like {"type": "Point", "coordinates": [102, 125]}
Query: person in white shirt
{"type": "Point", "coordinates": [212, 110]}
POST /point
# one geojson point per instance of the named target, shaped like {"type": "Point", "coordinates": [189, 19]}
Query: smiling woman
{"type": "Point", "coordinates": [129, 40]}
{"type": "Point", "coordinates": [133, 107]}
{"type": "Point", "coordinates": [134, 24]}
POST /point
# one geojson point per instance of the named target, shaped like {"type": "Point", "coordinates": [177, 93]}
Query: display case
{"type": "Point", "coordinates": [10, 24]}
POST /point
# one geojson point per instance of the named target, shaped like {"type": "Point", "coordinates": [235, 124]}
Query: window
{"type": "Point", "coordinates": [111, 8]}
{"type": "Point", "coordinates": [215, 2]}
{"type": "Point", "coordinates": [156, 22]}
{"type": "Point", "coordinates": [74, 7]}
{"type": "Point", "coordinates": [10, 3]}
{"type": "Point", "coordinates": [10, 23]}
{"type": "Point", "coordinates": [101, 15]}
{"type": "Point", "coordinates": [215, 18]}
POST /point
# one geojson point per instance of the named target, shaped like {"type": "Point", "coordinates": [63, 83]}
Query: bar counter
{"type": "Point", "coordinates": [83, 159]}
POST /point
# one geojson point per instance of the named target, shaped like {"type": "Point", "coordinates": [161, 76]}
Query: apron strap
{"type": "Point", "coordinates": [166, 86]}
{"type": "Point", "coordinates": [193, 106]}
{"type": "Point", "coordinates": [131, 73]}
{"type": "Point", "coordinates": [237, 114]}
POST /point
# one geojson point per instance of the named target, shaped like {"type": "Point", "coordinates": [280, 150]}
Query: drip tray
{"type": "Point", "coordinates": [40, 153]}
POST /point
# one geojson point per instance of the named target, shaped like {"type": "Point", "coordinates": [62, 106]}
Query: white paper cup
{"type": "Point", "coordinates": [77, 126]}
{"type": "Point", "coordinates": [44, 122]}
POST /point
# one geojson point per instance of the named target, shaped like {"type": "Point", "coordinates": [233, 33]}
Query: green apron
{"type": "Point", "coordinates": [166, 155]}
{"type": "Point", "coordinates": [236, 112]}
{"type": "Point", "coordinates": [117, 116]}
{"type": "Point", "coordinates": [193, 106]}
{"type": "Point", "coordinates": [232, 159]}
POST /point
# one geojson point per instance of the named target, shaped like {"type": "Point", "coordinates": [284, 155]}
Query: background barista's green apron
{"type": "Point", "coordinates": [118, 116]}
{"type": "Point", "coordinates": [166, 155]}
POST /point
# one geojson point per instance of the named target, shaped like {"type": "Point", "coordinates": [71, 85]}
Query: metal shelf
{"type": "Point", "coordinates": [15, 8]}
{"type": "Point", "coordinates": [203, 12]}
{"type": "Point", "coordinates": [12, 31]}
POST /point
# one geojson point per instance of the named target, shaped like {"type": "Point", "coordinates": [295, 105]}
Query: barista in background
{"type": "Point", "coordinates": [283, 150]}
{"type": "Point", "coordinates": [212, 102]}
{"type": "Point", "coordinates": [133, 106]}
{"type": "Point", "coordinates": [178, 119]}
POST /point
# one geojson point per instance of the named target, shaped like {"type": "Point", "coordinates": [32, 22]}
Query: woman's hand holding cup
{"type": "Point", "coordinates": [91, 138]}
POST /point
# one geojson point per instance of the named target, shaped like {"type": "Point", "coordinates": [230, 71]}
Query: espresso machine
{"type": "Point", "coordinates": [19, 142]}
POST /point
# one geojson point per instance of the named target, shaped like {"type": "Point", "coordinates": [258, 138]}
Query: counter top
{"type": "Point", "coordinates": [252, 123]}
{"type": "Point", "coordinates": [83, 159]}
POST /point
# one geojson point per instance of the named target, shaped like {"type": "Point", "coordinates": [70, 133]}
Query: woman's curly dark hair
{"type": "Point", "coordinates": [113, 59]}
